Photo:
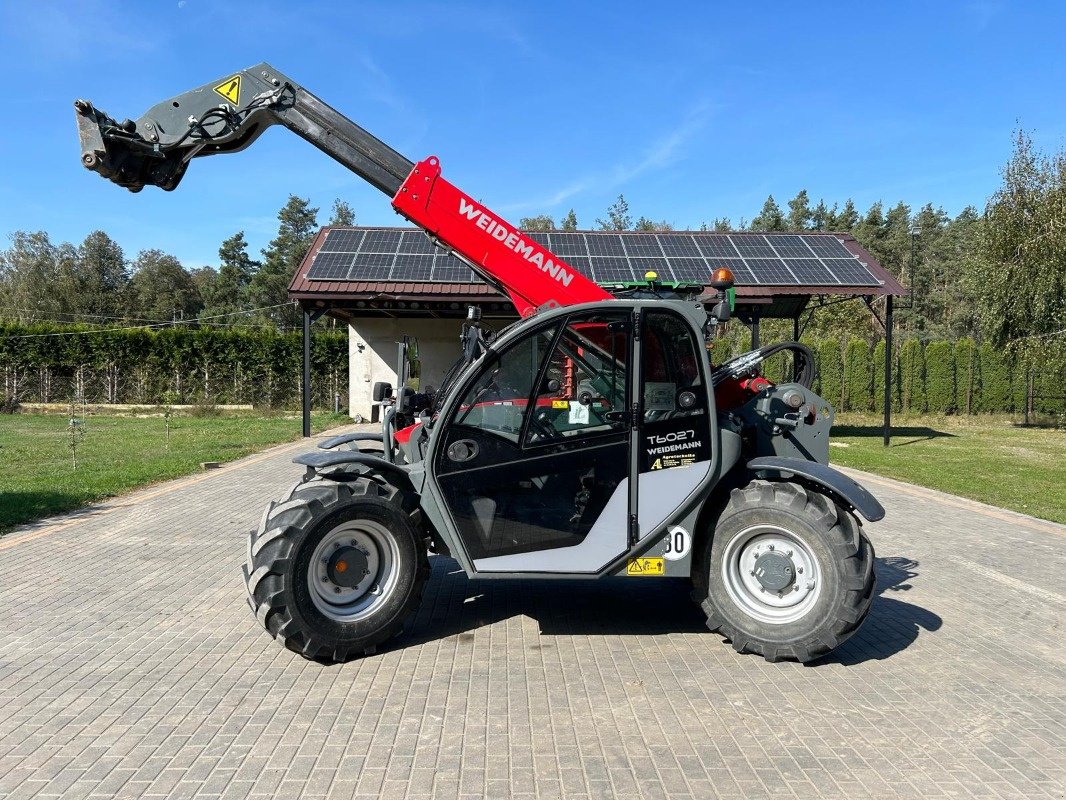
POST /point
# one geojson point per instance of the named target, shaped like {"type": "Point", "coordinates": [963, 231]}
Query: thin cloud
{"type": "Point", "coordinates": [981, 13]}
{"type": "Point", "coordinates": [665, 151]}
{"type": "Point", "coordinates": [383, 88]}
{"type": "Point", "coordinates": [58, 33]}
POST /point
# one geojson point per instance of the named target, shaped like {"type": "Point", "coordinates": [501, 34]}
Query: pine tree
{"type": "Point", "coordinates": [569, 222]}
{"type": "Point", "coordinates": [847, 219]}
{"type": "Point", "coordinates": [102, 277]}
{"type": "Point", "coordinates": [820, 217]}
{"type": "Point", "coordinates": [832, 218]}
{"type": "Point", "coordinates": [770, 218]}
{"type": "Point", "coordinates": [228, 292]}
{"type": "Point", "coordinates": [270, 285]}
{"type": "Point", "coordinates": [871, 228]}
{"type": "Point", "coordinates": [799, 212]}
{"type": "Point", "coordinates": [957, 251]}
{"type": "Point", "coordinates": [342, 213]}
{"type": "Point", "coordinates": [893, 248]}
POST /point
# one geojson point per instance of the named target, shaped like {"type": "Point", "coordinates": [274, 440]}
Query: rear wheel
{"type": "Point", "coordinates": [788, 573]}
{"type": "Point", "coordinates": [336, 569]}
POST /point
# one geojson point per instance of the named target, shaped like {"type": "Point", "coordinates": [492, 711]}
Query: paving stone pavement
{"type": "Point", "coordinates": [130, 666]}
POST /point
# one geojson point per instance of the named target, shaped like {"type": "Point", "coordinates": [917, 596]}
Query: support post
{"type": "Point", "coordinates": [795, 338]}
{"type": "Point", "coordinates": [755, 332]}
{"type": "Point", "coordinates": [306, 382]}
{"type": "Point", "coordinates": [888, 370]}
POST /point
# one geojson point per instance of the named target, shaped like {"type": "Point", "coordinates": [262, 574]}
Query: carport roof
{"type": "Point", "coordinates": [353, 297]}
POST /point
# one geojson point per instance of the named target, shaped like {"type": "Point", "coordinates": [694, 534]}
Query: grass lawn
{"type": "Point", "coordinates": [984, 458]}
{"type": "Point", "coordinates": [119, 453]}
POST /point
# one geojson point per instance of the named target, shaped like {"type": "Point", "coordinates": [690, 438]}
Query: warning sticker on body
{"type": "Point", "coordinates": [646, 566]}
{"type": "Point", "coordinates": [669, 462]}
{"type": "Point", "coordinates": [231, 89]}
{"type": "Point", "coordinates": [560, 403]}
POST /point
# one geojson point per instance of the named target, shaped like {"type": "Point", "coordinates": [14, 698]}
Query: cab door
{"type": "Point", "coordinates": [675, 452]}
{"type": "Point", "coordinates": [534, 467]}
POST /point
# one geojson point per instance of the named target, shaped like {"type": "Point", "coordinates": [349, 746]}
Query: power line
{"type": "Point", "coordinates": [41, 313]}
{"type": "Point", "coordinates": [144, 327]}
{"type": "Point", "coordinates": [53, 316]}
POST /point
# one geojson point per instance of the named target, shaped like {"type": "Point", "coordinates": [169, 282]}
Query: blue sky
{"type": "Point", "coordinates": [692, 111]}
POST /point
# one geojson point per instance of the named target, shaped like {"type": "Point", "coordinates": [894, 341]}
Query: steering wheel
{"type": "Point", "coordinates": [538, 422]}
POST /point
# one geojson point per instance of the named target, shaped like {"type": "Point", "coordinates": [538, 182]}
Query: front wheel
{"type": "Point", "coordinates": [335, 569]}
{"type": "Point", "coordinates": [788, 573]}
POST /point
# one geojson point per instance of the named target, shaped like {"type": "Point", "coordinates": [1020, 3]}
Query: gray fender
{"type": "Point", "coordinates": [348, 438]}
{"type": "Point", "coordinates": [392, 473]}
{"type": "Point", "coordinates": [837, 483]}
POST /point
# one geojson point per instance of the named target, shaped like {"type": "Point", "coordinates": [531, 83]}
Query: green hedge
{"type": "Point", "coordinates": [858, 377]}
{"type": "Point", "coordinates": [967, 376]}
{"type": "Point", "coordinates": [262, 367]}
{"type": "Point", "coordinates": [996, 394]}
{"type": "Point", "coordinates": [43, 363]}
{"type": "Point", "coordinates": [912, 377]}
{"type": "Point", "coordinates": [940, 377]}
{"type": "Point", "coordinates": [831, 370]}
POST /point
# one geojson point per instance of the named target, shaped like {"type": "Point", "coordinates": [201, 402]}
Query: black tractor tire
{"type": "Point", "coordinates": [278, 570]}
{"type": "Point", "coordinates": [830, 544]}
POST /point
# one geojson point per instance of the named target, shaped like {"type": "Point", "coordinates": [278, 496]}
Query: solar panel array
{"type": "Point", "coordinates": [775, 259]}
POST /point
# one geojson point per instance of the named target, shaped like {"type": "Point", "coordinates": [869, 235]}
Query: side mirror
{"type": "Point", "coordinates": [721, 311]}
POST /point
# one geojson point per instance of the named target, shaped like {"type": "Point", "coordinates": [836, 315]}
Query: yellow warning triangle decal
{"type": "Point", "coordinates": [231, 89]}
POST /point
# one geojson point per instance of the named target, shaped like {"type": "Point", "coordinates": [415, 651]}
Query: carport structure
{"type": "Point", "coordinates": [386, 282]}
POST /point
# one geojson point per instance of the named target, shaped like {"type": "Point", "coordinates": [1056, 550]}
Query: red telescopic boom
{"type": "Point", "coordinates": [531, 275]}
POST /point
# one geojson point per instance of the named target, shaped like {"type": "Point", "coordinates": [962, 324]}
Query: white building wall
{"type": "Point", "coordinates": [372, 354]}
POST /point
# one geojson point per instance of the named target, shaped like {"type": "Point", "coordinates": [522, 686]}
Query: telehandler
{"type": "Point", "coordinates": [592, 438]}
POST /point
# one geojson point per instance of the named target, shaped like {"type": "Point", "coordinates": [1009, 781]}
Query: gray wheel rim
{"type": "Point", "coordinates": [349, 604]}
{"type": "Point", "coordinates": [748, 593]}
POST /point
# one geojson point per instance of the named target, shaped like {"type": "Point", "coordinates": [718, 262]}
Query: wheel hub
{"type": "Point", "coordinates": [775, 571]}
{"type": "Point", "coordinates": [352, 570]}
{"type": "Point", "coordinates": [347, 567]}
{"type": "Point", "coordinates": [771, 572]}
